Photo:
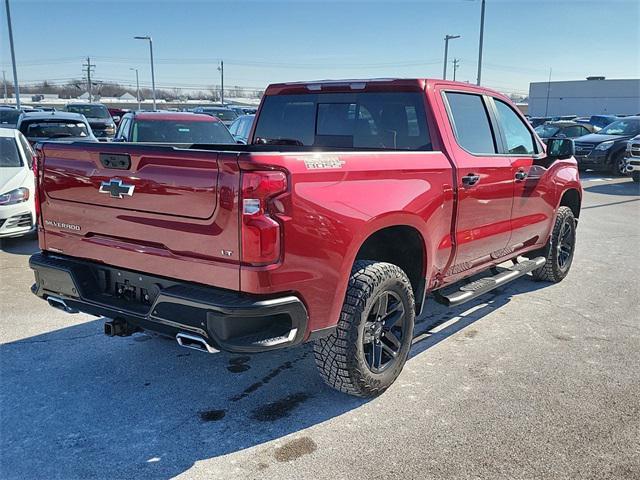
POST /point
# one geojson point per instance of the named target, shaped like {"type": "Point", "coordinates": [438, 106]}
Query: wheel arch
{"type": "Point", "coordinates": [572, 198]}
{"type": "Point", "coordinates": [404, 246]}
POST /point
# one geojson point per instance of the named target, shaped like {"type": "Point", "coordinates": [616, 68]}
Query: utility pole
{"type": "Point", "coordinates": [4, 84]}
{"type": "Point", "coordinates": [546, 108]}
{"type": "Point", "coordinates": [16, 87]}
{"type": "Point", "coordinates": [89, 66]}
{"type": "Point", "coordinates": [137, 88]}
{"type": "Point", "coordinates": [456, 65]}
{"type": "Point", "coordinates": [481, 43]}
{"type": "Point", "coordinates": [221, 70]}
{"type": "Point", "coordinates": [446, 52]}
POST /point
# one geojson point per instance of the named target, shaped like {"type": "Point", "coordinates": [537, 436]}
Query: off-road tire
{"type": "Point", "coordinates": [551, 271]}
{"type": "Point", "coordinates": [635, 176]}
{"type": "Point", "coordinates": [340, 357]}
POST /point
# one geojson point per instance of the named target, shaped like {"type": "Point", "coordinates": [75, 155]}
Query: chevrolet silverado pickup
{"type": "Point", "coordinates": [351, 203]}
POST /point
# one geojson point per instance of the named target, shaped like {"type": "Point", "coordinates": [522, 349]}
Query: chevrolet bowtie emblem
{"type": "Point", "coordinates": [116, 189]}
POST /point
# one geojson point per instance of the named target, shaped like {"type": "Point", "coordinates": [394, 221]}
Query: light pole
{"type": "Point", "coordinates": [4, 84]}
{"type": "Point", "coordinates": [481, 42]}
{"type": "Point", "coordinates": [16, 87]}
{"type": "Point", "coordinates": [137, 88]}
{"type": "Point", "coordinates": [446, 52]}
{"type": "Point", "coordinates": [153, 78]}
{"type": "Point", "coordinates": [221, 70]}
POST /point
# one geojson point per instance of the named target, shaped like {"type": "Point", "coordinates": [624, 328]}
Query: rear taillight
{"type": "Point", "coordinates": [36, 196]}
{"type": "Point", "coordinates": [260, 230]}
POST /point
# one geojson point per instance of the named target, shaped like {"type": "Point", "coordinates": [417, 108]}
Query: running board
{"type": "Point", "coordinates": [484, 285]}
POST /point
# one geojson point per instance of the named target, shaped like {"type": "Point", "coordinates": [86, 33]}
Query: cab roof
{"type": "Point", "coordinates": [174, 116]}
{"type": "Point", "coordinates": [370, 85]}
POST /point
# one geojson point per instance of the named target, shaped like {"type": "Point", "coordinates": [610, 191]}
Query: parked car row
{"type": "Point", "coordinates": [600, 140]}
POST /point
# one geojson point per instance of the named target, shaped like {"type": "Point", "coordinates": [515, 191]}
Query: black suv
{"type": "Point", "coordinates": [605, 150]}
{"type": "Point", "coordinates": [98, 116]}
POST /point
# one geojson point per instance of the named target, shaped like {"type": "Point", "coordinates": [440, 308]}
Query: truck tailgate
{"type": "Point", "coordinates": [162, 210]}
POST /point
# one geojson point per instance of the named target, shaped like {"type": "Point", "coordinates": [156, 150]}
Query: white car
{"type": "Point", "coordinates": [17, 185]}
{"type": "Point", "coordinates": [633, 158]}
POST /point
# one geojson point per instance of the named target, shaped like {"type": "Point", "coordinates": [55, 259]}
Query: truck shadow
{"type": "Point", "coordinates": [27, 245]}
{"type": "Point", "coordinates": [77, 404]}
{"type": "Point", "coordinates": [628, 188]}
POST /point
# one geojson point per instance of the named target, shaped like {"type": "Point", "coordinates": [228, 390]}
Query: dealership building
{"type": "Point", "coordinates": [593, 96]}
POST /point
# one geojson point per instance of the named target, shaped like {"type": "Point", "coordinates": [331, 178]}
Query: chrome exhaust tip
{"type": "Point", "coordinates": [60, 304]}
{"type": "Point", "coordinates": [195, 342]}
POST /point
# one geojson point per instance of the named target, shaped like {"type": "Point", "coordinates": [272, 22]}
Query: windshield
{"type": "Point", "coordinates": [381, 121]}
{"type": "Point", "coordinates": [622, 127]}
{"type": "Point", "coordinates": [9, 156]}
{"type": "Point", "coordinates": [9, 116]}
{"type": "Point", "coordinates": [53, 129]}
{"type": "Point", "coordinates": [546, 131]}
{"type": "Point", "coordinates": [90, 111]}
{"type": "Point", "coordinates": [169, 131]}
{"type": "Point", "coordinates": [226, 115]}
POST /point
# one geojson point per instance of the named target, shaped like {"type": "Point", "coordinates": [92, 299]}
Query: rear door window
{"type": "Point", "coordinates": [386, 121]}
{"type": "Point", "coordinates": [471, 123]}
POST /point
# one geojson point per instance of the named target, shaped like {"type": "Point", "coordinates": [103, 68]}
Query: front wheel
{"type": "Point", "coordinates": [635, 176]}
{"type": "Point", "coordinates": [618, 164]}
{"type": "Point", "coordinates": [373, 337]}
{"type": "Point", "coordinates": [559, 249]}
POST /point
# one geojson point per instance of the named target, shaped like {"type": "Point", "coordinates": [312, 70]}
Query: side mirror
{"type": "Point", "coordinates": [560, 148]}
{"type": "Point", "coordinates": [116, 119]}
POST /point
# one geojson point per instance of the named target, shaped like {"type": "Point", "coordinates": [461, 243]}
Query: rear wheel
{"type": "Point", "coordinates": [560, 248]}
{"type": "Point", "coordinates": [618, 165]}
{"type": "Point", "coordinates": [373, 337]}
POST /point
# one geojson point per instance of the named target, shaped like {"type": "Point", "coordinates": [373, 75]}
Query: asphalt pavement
{"type": "Point", "coordinates": [532, 381]}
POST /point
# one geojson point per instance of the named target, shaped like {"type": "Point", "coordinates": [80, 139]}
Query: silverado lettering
{"type": "Point", "coordinates": [349, 205]}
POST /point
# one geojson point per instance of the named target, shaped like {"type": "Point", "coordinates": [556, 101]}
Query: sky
{"type": "Point", "coordinates": [263, 42]}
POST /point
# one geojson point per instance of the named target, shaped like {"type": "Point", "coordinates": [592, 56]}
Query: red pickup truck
{"type": "Point", "coordinates": [352, 201]}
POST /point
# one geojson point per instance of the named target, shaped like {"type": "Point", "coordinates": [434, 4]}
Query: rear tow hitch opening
{"type": "Point", "coordinates": [195, 342]}
{"type": "Point", "coordinates": [118, 328]}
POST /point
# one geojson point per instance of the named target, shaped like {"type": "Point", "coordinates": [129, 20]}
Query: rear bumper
{"type": "Point", "coordinates": [226, 320]}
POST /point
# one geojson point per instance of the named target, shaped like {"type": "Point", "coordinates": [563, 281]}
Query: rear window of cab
{"type": "Point", "coordinates": [377, 121]}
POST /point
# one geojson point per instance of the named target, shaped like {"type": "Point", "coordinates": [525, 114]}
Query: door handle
{"type": "Point", "coordinates": [470, 179]}
{"type": "Point", "coordinates": [521, 175]}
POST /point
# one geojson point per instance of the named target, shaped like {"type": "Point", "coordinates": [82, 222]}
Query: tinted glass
{"type": "Point", "coordinates": [622, 127]}
{"type": "Point", "coordinates": [517, 135]}
{"type": "Point", "coordinates": [168, 131]}
{"type": "Point", "coordinates": [471, 123]}
{"type": "Point", "coordinates": [573, 132]}
{"type": "Point", "coordinates": [222, 113]}
{"type": "Point", "coordinates": [9, 116]}
{"type": "Point", "coordinates": [387, 121]}
{"type": "Point", "coordinates": [546, 131]}
{"type": "Point", "coordinates": [53, 129]}
{"type": "Point", "coordinates": [90, 111]}
{"type": "Point", "coordinates": [9, 155]}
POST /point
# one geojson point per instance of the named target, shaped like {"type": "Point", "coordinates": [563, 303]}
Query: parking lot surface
{"type": "Point", "coordinates": [532, 381]}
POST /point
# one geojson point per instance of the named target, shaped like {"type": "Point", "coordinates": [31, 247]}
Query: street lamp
{"type": "Point", "coordinates": [446, 52]}
{"type": "Point", "coordinates": [137, 87]}
{"type": "Point", "coordinates": [16, 87]}
{"type": "Point", "coordinates": [481, 42]}
{"type": "Point", "coordinates": [153, 78]}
